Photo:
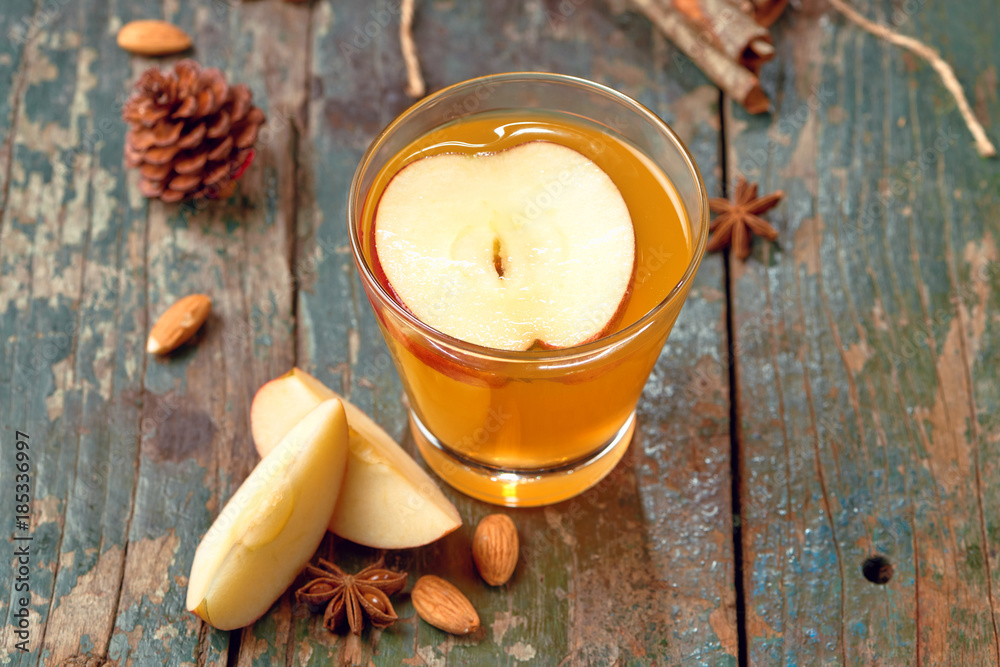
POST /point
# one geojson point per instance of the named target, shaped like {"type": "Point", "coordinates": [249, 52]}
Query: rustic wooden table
{"type": "Point", "coordinates": [832, 399]}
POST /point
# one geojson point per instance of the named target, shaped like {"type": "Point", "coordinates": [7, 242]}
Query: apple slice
{"type": "Point", "coordinates": [529, 246]}
{"type": "Point", "coordinates": [272, 525]}
{"type": "Point", "coordinates": [387, 500]}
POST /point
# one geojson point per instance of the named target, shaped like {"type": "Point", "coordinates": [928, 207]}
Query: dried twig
{"type": "Point", "coordinates": [983, 145]}
{"type": "Point", "coordinates": [415, 86]}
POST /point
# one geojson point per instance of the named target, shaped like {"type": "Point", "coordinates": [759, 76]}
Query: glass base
{"type": "Point", "coordinates": [520, 488]}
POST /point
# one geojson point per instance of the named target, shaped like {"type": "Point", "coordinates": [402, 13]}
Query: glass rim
{"type": "Point", "coordinates": [535, 356]}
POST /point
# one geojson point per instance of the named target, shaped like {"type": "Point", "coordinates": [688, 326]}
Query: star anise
{"type": "Point", "coordinates": [740, 218]}
{"type": "Point", "coordinates": [352, 595]}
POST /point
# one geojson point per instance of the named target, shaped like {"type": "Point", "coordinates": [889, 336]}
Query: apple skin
{"type": "Point", "coordinates": [608, 329]}
{"type": "Point", "coordinates": [387, 501]}
{"type": "Point", "coordinates": [272, 525]}
{"type": "Point", "coordinates": [438, 359]}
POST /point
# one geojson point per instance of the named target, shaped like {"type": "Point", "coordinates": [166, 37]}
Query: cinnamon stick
{"type": "Point", "coordinates": [735, 33]}
{"type": "Point", "coordinates": [735, 80]}
{"type": "Point", "coordinates": [766, 12]}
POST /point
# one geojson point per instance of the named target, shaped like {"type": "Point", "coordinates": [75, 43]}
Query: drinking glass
{"type": "Point", "coordinates": [538, 426]}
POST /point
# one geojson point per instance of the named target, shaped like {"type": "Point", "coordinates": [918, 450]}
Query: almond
{"type": "Point", "coordinates": [442, 605]}
{"type": "Point", "coordinates": [178, 324]}
{"type": "Point", "coordinates": [153, 38]}
{"type": "Point", "coordinates": [494, 548]}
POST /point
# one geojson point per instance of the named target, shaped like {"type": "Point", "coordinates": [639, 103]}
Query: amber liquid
{"type": "Point", "coordinates": [542, 416]}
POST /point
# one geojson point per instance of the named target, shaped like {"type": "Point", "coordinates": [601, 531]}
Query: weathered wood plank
{"type": "Point", "coordinates": [107, 353]}
{"type": "Point", "coordinates": [138, 454]}
{"type": "Point", "coordinates": [866, 366]}
{"type": "Point", "coordinates": [14, 23]}
{"type": "Point", "coordinates": [56, 379]}
{"type": "Point", "coordinates": [195, 447]}
{"type": "Point", "coordinates": [19, 23]}
{"type": "Point", "coordinates": [78, 261]}
{"type": "Point", "coordinates": [639, 568]}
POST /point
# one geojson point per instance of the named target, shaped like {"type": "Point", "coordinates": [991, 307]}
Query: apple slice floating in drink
{"type": "Point", "coordinates": [531, 246]}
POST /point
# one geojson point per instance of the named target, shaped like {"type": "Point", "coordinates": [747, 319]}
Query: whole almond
{"type": "Point", "coordinates": [442, 605]}
{"type": "Point", "coordinates": [494, 548]}
{"type": "Point", "coordinates": [179, 323]}
{"type": "Point", "coordinates": [153, 38]}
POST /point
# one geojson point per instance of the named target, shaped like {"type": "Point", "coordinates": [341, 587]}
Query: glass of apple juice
{"type": "Point", "coordinates": [527, 241]}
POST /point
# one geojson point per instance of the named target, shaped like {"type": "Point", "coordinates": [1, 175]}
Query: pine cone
{"type": "Point", "coordinates": [191, 133]}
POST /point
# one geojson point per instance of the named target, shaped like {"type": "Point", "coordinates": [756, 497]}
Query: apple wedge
{"type": "Point", "coordinates": [272, 525]}
{"type": "Point", "coordinates": [530, 246]}
{"type": "Point", "coordinates": [387, 501]}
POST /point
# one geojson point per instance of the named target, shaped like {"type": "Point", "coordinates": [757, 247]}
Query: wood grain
{"type": "Point", "coordinates": [18, 24]}
{"type": "Point", "coordinates": [599, 580]}
{"type": "Point", "coordinates": [60, 259]}
{"type": "Point", "coordinates": [137, 455]}
{"type": "Point", "coordinates": [865, 349]}
{"type": "Point", "coordinates": [866, 342]}
{"type": "Point", "coordinates": [198, 449]}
